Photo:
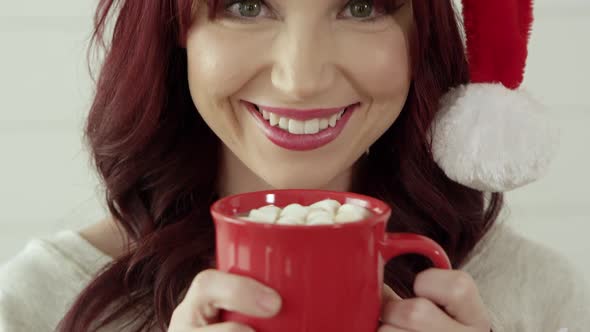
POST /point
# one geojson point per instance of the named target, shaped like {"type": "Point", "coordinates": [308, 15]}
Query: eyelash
{"type": "Point", "coordinates": [380, 12]}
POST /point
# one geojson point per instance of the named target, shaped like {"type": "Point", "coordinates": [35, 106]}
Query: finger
{"type": "Point", "coordinates": [418, 314]}
{"type": "Point", "coordinates": [225, 327]}
{"type": "Point", "coordinates": [388, 294]}
{"type": "Point", "coordinates": [212, 290]}
{"type": "Point", "coordinates": [389, 328]}
{"type": "Point", "coordinates": [456, 292]}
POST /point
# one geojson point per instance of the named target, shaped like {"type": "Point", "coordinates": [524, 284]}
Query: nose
{"type": "Point", "coordinates": [302, 66]}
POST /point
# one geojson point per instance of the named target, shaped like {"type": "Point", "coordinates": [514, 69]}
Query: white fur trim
{"type": "Point", "coordinates": [491, 138]}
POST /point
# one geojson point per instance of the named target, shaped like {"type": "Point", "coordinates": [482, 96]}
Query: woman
{"type": "Point", "coordinates": [178, 121]}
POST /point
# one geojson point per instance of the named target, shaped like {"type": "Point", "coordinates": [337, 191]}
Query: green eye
{"type": "Point", "coordinates": [250, 8]}
{"type": "Point", "coordinates": [361, 8]}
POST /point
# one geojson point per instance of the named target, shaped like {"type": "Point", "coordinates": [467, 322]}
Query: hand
{"type": "Point", "coordinates": [446, 301]}
{"type": "Point", "coordinates": [211, 291]}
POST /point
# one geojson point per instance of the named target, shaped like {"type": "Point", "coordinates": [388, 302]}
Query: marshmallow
{"type": "Point", "coordinates": [271, 209]}
{"type": "Point", "coordinates": [290, 220]}
{"type": "Point", "coordinates": [350, 213]}
{"type": "Point", "coordinates": [325, 212]}
{"type": "Point", "coordinates": [267, 214]}
{"type": "Point", "coordinates": [329, 205]}
{"type": "Point", "coordinates": [319, 217]}
{"type": "Point", "coordinates": [295, 210]}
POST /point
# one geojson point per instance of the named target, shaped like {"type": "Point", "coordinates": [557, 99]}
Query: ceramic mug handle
{"type": "Point", "coordinates": [396, 244]}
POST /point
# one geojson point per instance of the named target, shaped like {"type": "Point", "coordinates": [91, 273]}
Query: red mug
{"type": "Point", "coordinates": [330, 277]}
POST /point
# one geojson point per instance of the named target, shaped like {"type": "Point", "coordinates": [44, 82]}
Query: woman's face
{"type": "Point", "coordinates": [310, 59]}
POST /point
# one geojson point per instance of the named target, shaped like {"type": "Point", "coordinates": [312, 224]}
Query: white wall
{"type": "Point", "coordinates": [45, 91]}
{"type": "Point", "coordinates": [46, 184]}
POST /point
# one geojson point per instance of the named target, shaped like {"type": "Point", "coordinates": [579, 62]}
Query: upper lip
{"type": "Point", "coordinates": [302, 114]}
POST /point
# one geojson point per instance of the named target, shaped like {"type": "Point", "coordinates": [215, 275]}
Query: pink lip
{"type": "Point", "coordinates": [302, 115]}
{"type": "Point", "coordinates": [295, 142]}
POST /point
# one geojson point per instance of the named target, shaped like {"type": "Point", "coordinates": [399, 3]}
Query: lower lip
{"type": "Point", "coordinates": [305, 142]}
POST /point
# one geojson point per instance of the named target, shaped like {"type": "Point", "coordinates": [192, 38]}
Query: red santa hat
{"type": "Point", "coordinates": [489, 134]}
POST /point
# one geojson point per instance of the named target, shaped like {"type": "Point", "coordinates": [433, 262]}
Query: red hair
{"type": "Point", "coordinates": [143, 131]}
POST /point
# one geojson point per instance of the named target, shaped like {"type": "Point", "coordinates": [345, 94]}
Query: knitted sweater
{"type": "Point", "coordinates": [526, 286]}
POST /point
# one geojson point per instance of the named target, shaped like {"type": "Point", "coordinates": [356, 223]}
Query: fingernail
{"type": "Point", "coordinates": [269, 302]}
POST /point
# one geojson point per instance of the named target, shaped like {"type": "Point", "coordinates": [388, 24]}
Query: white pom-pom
{"type": "Point", "coordinates": [491, 138]}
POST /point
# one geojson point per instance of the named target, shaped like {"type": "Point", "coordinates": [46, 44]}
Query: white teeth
{"type": "Point", "coordinates": [312, 126]}
{"type": "Point", "coordinates": [296, 127]}
{"type": "Point", "coordinates": [274, 119]}
{"type": "Point", "coordinates": [284, 123]}
{"type": "Point", "coordinates": [333, 120]}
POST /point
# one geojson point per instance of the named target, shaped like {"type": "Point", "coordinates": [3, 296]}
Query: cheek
{"type": "Point", "coordinates": [390, 72]}
{"type": "Point", "coordinates": [217, 66]}
{"type": "Point", "coordinates": [384, 76]}
{"type": "Point", "coordinates": [384, 73]}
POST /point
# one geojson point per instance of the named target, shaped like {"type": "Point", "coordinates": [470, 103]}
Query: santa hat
{"type": "Point", "coordinates": [489, 134]}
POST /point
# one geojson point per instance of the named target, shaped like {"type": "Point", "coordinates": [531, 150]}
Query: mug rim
{"type": "Point", "coordinates": [380, 210]}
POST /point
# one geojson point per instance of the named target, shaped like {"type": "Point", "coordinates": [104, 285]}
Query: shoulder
{"type": "Point", "coordinates": [528, 286]}
{"type": "Point", "coordinates": [43, 279]}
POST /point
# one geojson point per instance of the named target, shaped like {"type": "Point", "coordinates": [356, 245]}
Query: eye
{"type": "Point", "coordinates": [372, 10]}
{"type": "Point", "coordinates": [363, 9]}
{"type": "Point", "coordinates": [360, 8]}
{"type": "Point", "coordinates": [245, 8]}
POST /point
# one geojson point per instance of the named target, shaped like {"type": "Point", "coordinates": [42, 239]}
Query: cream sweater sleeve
{"type": "Point", "coordinates": [528, 287]}
{"type": "Point", "coordinates": [564, 295]}
{"type": "Point", "coordinates": [38, 285]}
{"type": "Point", "coordinates": [570, 307]}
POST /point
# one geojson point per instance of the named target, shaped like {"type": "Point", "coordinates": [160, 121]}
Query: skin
{"type": "Point", "coordinates": [302, 54]}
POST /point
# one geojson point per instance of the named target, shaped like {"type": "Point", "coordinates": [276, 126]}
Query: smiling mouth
{"type": "Point", "coordinates": [309, 132]}
{"type": "Point", "coordinates": [299, 126]}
